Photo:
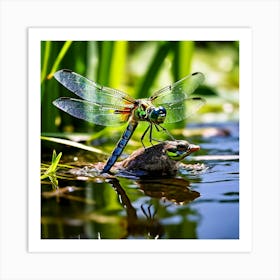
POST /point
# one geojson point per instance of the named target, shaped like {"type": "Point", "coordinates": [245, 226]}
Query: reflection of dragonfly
{"type": "Point", "coordinates": [110, 107]}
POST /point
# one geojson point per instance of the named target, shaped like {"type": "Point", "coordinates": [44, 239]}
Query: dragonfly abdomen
{"type": "Point", "coordinates": [120, 146]}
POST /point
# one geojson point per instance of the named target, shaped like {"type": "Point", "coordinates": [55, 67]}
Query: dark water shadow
{"type": "Point", "coordinates": [175, 190]}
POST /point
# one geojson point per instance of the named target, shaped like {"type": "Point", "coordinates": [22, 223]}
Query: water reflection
{"type": "Point", "coordinates": [172, 189]}
{"type": "Point", "coordinates": [149, 227]}
{"type": "Point", "coordinates": [135, 218]}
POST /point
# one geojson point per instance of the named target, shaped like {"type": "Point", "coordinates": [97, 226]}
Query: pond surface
{"type": "Point", "coordinates": [199, 203]}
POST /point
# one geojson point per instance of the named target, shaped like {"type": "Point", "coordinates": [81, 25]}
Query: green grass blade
{"type": "Point", "coordinates": [92, 60]}
{"type": "Point", "coordinates": [118, 63]}
{"type": "Point", "coordinates": [47, 50]}
{"type": "Point", "coordinates": [104, 66]}
{"type": "Point", "coordinates": [60, 56]}
{"type": "Point", "coordinates": [53, 156]}
{"type": "Point", "coordinates": [51, 171]}
{"type": "Point", "coordinates": [153, 69]}
{"type": "Point", "coordinates": [73, 144]}
{"type": "Point", "coordinates": [183, 54]}
{"type": "Point", "coordinates": [55, 160]}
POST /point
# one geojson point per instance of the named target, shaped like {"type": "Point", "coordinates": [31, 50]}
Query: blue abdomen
{"type": "Point", "coordinates": [120, 146]}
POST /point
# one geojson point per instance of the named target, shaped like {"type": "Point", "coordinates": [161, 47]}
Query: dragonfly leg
{"type": "Point", "coordinates": [166, 131]}
{"type": "Point", "coordinates": [145, 132]}
{"type": "Point", "coordinates": [159, 130]}
{"type": "Point", "coordinates": [151, 137]}
{"type": "Point", "coordinates": [151, 132]}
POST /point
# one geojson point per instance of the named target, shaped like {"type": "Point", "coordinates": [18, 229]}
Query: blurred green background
{"type": "Point", "coordinates": [139, 68]}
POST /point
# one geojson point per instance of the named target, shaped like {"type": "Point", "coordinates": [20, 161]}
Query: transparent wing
{"type": "Point", "coordinates": [92, 91]}
{"type": "Point", "coordinates": [179, 91]}
{"type": "Point", "coordinates": [93, 112]}
{"type": "Point", "coordinates": [179, 111]}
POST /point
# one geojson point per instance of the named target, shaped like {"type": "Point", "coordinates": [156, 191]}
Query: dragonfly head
{"type": "Point", "coordinates": [157, 114]}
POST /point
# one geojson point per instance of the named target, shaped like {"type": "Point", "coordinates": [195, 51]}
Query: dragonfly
{"type": "Point", "coordinates": [106, 106]}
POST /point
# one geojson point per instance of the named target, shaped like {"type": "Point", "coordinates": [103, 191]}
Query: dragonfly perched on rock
{"type": "Point", "coordinates": [110, 107]}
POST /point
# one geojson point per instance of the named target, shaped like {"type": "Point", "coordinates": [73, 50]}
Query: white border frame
{"type": "Point", "coordinates": [243, 35]}
{"type": "Point", "coordinates": [262, 16]}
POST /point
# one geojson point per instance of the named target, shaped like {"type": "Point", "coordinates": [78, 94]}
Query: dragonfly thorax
{"type": "Point", "coordinates": [147, 112]}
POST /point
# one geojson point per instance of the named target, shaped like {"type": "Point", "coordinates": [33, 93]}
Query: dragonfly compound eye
{"type": "Point", "coordinates": [158, 114]}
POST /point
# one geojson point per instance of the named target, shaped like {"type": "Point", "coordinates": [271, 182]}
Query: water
{"type": "Point", "coordinates": [201, 203]}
